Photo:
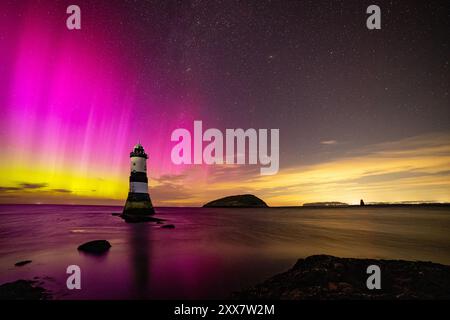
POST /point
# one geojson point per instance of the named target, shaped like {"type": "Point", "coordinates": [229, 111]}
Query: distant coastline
{"type": "Point", "coordinates": [371, 205]}
{"type": "Point", "coordinates": [252, 201]}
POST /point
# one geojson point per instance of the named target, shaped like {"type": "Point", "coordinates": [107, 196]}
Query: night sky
{"type": "Point", "coordinates": [362, 113]}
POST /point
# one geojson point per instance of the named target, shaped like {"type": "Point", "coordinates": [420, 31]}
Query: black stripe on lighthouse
{"type": "Point", "coordinates": [138, 177]}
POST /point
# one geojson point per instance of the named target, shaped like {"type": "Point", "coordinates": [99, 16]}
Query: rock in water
{"type": "Point", "coordinates": [95, 247]}
{"type": "Point", "coordinates": [330, 278]}
{"type": "Point", "coordinates": [239, 201]}
{"type": "Point", "coordinates": [22, 290]}
{"type": "Point", "coordinates": [135, 218]}
{"type": "Point", "coordinates": [22, 263]}
{"type": "Point", "coordinates": [168, 226]}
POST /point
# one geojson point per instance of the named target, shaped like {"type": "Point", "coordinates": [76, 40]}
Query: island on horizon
{"type": "Point", "coordinates": [237, 201]}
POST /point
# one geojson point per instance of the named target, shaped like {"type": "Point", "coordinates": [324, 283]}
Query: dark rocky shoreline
{"type": "Point", "coordinates": [23, 290]}
{"type": "Point", "coordinates": [318, 277]}
{"type": "Point", "coordinates": [323, 277]}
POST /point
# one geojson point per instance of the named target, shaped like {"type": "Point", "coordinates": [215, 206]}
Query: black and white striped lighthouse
{"type": "Point", "coordinates": [138, 201]}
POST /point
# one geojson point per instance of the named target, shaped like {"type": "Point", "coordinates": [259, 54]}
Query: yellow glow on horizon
{"type": "Point", "coordinates": [414, 169]}
{"type": "Point", "coordinates": [80, 184]}
{"type": "Point", "coordinates": [349, 179]}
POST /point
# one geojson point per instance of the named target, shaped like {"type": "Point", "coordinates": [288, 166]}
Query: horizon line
{"type": "Point", "coordinates": [368, 204]}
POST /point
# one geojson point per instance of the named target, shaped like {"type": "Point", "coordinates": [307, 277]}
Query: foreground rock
{"type": "Point", "coordinates": [328, 277]}
{"type": "Point", "coordinates": [22, 263]}
{"type": "Point", "coordinates": [22, 290]}
{"type": "Point", "coordinates": [95, 247]}
{"type": "Point", "coordinates": [240, 201]}
{"type": "Point", "coordinates": [136, 218]}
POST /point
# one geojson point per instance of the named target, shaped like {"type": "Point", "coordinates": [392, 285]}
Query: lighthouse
{"type": "Point", "coordinates": [138, 201]}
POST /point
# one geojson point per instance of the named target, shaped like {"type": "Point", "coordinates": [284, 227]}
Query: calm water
{"type": "Point", "coordinates": [211, 253]}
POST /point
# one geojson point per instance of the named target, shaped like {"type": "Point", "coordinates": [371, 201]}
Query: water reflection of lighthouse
{"type": "Point", "coordinates": [138, 201]}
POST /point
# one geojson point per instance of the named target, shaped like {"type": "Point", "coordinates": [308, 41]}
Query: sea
{"type": "Point", "coordinates": [210, 253]}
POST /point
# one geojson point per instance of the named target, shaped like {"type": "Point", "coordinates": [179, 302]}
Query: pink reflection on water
{"type": "Point", "coordinates": [210, 253]}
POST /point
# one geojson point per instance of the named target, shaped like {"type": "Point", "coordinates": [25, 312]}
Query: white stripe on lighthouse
{"type": "Point", "coordinates": [138, 164]}
{"type": "Point", "coordinates": [138, 187]}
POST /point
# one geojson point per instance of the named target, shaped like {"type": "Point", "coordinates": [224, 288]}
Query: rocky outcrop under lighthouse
{"type": "Point", "coordinates": [139, 208]}
{"type": "Point", "coordinates": [138, 204]}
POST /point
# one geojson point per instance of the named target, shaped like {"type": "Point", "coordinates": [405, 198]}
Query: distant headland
{"type": "Point", "coordinates": [326, 204]}
{"type": "Point", "coordinates": [237, 201]}
{"type": "Point", "coordinates": [252, 201]}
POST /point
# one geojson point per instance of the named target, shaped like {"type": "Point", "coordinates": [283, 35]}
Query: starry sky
{"type": "Point", "coordinates": [362, 113]}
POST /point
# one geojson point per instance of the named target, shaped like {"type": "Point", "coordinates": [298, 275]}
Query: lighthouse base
{"type": "Point", "coordinates": [138, 204]}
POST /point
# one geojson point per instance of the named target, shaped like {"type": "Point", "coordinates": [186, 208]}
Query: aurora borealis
{"type": "Point", "coordinates": [361, 114]}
